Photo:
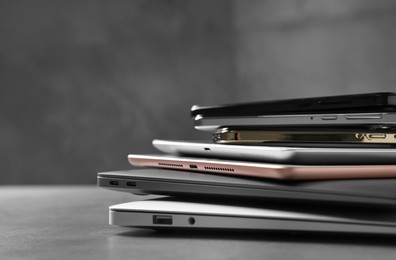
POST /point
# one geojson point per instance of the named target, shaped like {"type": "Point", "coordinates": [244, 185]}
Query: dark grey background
{"type": "Point", "coordinates": [84, 83]}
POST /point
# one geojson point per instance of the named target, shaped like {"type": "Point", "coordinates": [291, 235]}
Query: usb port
{"type": "Point", "coordinates": [131, 183]}
{"type": "Point", "coordinates": [113, 182]}
{"type": "Point", "coordinates": [162, 219]}
{"type": "Point", "coordinates": [193, 166]}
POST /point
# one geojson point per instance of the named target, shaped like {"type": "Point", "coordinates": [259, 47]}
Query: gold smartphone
{"type": "Point", "coordinates": [229, 136]}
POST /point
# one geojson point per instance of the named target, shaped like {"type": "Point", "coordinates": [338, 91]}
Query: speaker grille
{"type": "Point", "coordinates": [170, 164]}
{"type": "Point", "coordinates": [219, 169]}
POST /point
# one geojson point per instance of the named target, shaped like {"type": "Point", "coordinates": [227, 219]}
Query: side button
{"type": "Point", "coordinates": [329, 117]}
{"type": "Point", "coordinates": [351, 117]}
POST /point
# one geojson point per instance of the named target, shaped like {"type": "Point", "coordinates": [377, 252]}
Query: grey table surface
{"type": "Point", "coordinates": [71, 222]}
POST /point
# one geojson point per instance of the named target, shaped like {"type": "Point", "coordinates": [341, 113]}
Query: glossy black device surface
{"type": "Point", "coordinates": [359, 103]}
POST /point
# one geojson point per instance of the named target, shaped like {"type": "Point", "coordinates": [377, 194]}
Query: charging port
{"type": "Point", "coordinates": [113, 182]}
{"type": "Point", "coordinates": [162, 219]}
{"type": "Point", "coordinates": [191, 221]}
{"type": "Point", "coordinates": [193, 166]}
{"type": "Point", "coordinates": [131, 183]}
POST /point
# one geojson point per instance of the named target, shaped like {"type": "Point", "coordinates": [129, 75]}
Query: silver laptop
{"type": "Point", "coordinates": [172, 213]}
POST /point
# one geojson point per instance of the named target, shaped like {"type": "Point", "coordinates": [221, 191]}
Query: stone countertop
{"type": "Point", "coordinates": [71, 222]}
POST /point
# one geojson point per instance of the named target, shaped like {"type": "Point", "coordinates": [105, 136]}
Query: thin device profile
{"type": "Point", "coordinates": [230, 136]}
{"type": "Point", "coordinates": [369, 121]}
{"type": "Point", "coordinates": [279, 154]}
{"type": "Point", "coordinates": [358, 103]}
{"type": "Point", "coordinates": [144, 181]}
{"type": "Point", "coordinates": [265, 170]}
{"type": "Point", "coordinates": [169, 213]}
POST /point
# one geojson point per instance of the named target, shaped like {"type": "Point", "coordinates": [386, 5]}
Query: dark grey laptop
{"type": "Point", "coordinates": [373, 192]}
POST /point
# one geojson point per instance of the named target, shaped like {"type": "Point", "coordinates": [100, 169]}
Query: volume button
{"type": "Point", "coordinates": [329, 117]}
{"type": "Point", "coordinates": [351, 117]}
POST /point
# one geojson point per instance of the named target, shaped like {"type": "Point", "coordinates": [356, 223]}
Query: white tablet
{"type": "Point", "coordinates": [362, 120]}
{"type": "Point", "coordinates": [277, 154]}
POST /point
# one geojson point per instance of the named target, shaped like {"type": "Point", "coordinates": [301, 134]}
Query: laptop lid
{"type": "Point", "coordinates": [172, 213]}
{"type": "Point", "coordinates": [374, 192]}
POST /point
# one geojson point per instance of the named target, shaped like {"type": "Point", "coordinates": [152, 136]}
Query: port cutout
{"type": "Point", "coordinates": [114, 183]}
{"type": "Point", "coordinates": [162, 219]}
{"type": "Point", "coordinates": [207, 149]}
{"type": "Point", "coordinates": [131, 183]}
{"type": "Point", "coordinates": [191, 220]}
{"type": "Point", "coordinates": [193, 166]}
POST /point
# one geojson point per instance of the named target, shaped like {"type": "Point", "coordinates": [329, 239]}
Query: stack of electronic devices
{"type": "Point", "coordinates": [325, 164]}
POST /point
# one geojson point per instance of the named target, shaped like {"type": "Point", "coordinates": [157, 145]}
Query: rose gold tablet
{"type": "Point", "coordinates": [265, 170]}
